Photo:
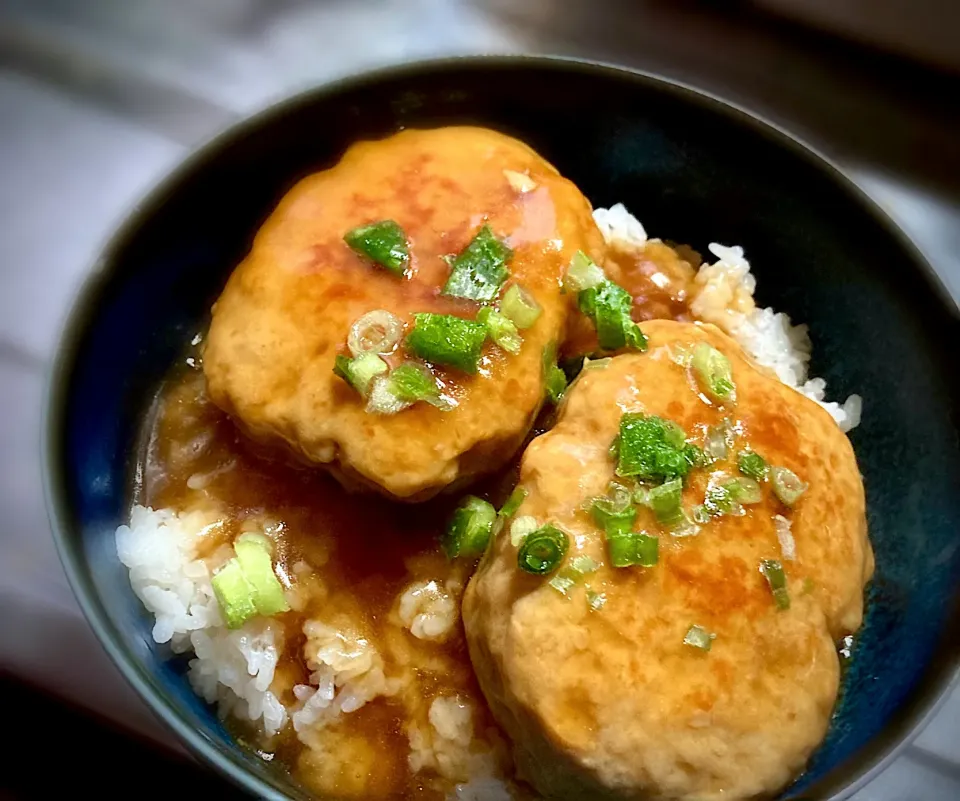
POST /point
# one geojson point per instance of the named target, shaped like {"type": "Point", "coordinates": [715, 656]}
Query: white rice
{"type": "Point", "coordinates": [446, 743]}
{"type": "Point", "coordinates": [233, 669]}
{"type": "Point", "coordinates": [724, 296]}
{"type": "Point", "coordinates": [428, 610]}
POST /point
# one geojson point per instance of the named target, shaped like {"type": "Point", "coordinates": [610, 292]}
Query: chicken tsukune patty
{"type": "Point", "coordinates": [658, 620]}
{"type": "Point", "coordinates": [392, 318]}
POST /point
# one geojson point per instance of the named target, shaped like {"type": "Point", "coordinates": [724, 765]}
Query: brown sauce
{"type": "Point", "coordinates": [365, 549]}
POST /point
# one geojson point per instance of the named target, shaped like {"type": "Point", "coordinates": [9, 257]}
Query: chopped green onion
{"type": "Point", "coordinates": [595, 600]}
{"type": "Point", "coordinates": [726, 495]}
{"type": "Point", "coordinates": [234, 594]}
{"type": "Point", "coordinates": [653, 449]}
{"type": "Point", "coordinates": [615, 515]}
{"type": "Point", "coordinates": [583, 273]}
{"type": "Point", "coordinates": [521, 527]}
{"type": "Point", "coordinates": [520, 306]}
{"type": "Point", "coordinates": [583, 565]}
{"type": "Point", "coordinates": [469, 530]}
{"type": "Point", "coordinates": [752, 464]}
{"type": "Point", "coordinates": [716, 443]}
{"type": "Point", "coordinates": [412, 382]}
{"type": "Point", "coordinates": [562, 583]}
{"type": "Point", "coordinates": [383, 399]}
{"type": "Point", "coordinates": [608, 305]}
{"type": "Point", "coordinates": [383, 243]}
{"type": "Point", "coordinates": [713, 372]}
{"type": "Point", "coordinates": [772, 571]}
{"type": "Point", "coordinates": [701, 514]}
{"type": "Point", "coordinates": [480, 270]}
{"type": "Point", "coordinates": [542, 551]}
{"type": "Point", "coordinates": [554, 379]}
{"type": "Point", "coordinates": [501, 329]}
{"type": "Point", "coordinates": [445, 339]}
{"type": "Point", "coordinates": [787, 485]}
{"type": "Point", "coordinates": [597, 364]}
{"type": "Point", "coordinates": [359, 372]}
{"type": "Point", "coordinates": [633, 549]}
{"type": "Point", "coordinates": [744, 490]}
{"type": "Point", "coordinates": [570, 576]}
{"type": "Point", "coordinates": [377, 331]}
{"type": "Point", "coordinates": [699, 637]}
{"type": "Point", "coordinates": [254, 554]}
{"type": "Point", "coordinates": [667, 502]}
{"type": "Point", "coordinates": [514, 502]}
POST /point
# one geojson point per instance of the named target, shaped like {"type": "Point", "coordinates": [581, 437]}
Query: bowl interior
{"type": "Point", "coordinates": [694, 171]}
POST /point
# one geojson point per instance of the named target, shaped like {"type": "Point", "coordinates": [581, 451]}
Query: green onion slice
{"type": "Point", "coordinates": [569, 577]}
{"type": "Point", "coordinates": [717, 442]}
{"type": "Point", "coordinates": [383, 399]}
{"type": "Point", "coordinates": [554, 379]}
{"type": "Point", "coordinates": [520, 306]}
{"type": "Point", "coordinates": [412, 382]}
{"type": "Point", "coordinates": [772, 571]}
{"type": "Point", "coordinates": [787, 485]}
{"type": "Point", "coordinates": [583, 565]}
{"type": "Point", "coordinates": [609, 305]}
{"type": "Point", "coordinates": [501, 328]}
{"type": "Point", "coordinates": [383, 243]}
{"type": "Point", "coordinates": [448, 340]}
{"type": "Point", "coordinates": [469, 530]}
{"type": "Point", "coordinates": [614, 515]}
{"type": "Point", "coordinates": [521, 527]}
{"type": "Point", "coordinates": [542, 551]}
{"type": "Point", "coordinates": [667, 502]}
{"type": "Point", "coordinates": [713, 373]}
{"type": "Point", "coordinates": [653, 449]}
{"type": "Point", "coordinates": [254, 554]}
{"type": "Point", "coordinates": [596, 600]}
{"type": "Point", "coordinates": [480, 270]}
{"type": "Point", "coordinates": [562, 582]}
{"type": "Point", "coordinates": [699, 637]}
{"type": "Point", "coordinates": [234, 594]}
{"type": "Point", "coordinates": [361, 371]}
{"type": "Point", "coordinates": [514, 502]}
{"type": "Point", "coordinates": [632, 548]}
{"type": "Point", "coordinates": [583, 274]}
{"type": "Point", "coordinates": [377, 331]}
{"type": "Point", "coordinates": [752, 465]}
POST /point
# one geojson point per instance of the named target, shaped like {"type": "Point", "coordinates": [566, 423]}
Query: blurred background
{"type": "Point", "coordinates": [100, 98]}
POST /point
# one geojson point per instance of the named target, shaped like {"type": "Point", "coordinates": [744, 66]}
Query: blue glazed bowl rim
{"type": "Point", "coordinates": [871, 761]}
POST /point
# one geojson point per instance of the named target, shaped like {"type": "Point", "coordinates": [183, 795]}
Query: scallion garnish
{"type": "Point", "coordinates": [501, 329]}
{"type": "Point", "coordinates": [520, 306]}
{"type": "Point", "coordinates": [562, 582]}
{"type": "Point", "coordinates": [727, 496]}
{"type": "Point", "coordinates": [596, 600]}
{"type": "Point", "coordinates": [542, 551]}
{"type": "Point", "coordinates": [716, 443]}
{"type": "Point", "coordinates": [583, 565]}
{"type": "Point", "coordinates": [713, 372]}
{"type": "Point", "coordinates": [631, 548]}
{"type": "Point", "coordinates": [772, 571]}
{"type": "Point", "coordinates": [614, 515]}
{"type": "Point", "coordinates": [667, 502]}
{"type": "Point", "coordinates": [383, 243]}
{"type": "Point", "coordinates": [377, 331]}
{"type": "Point", "coordinates": [653, 449]}
{"type": "Point", "coordinates": [412, 382]}
{"type": "Point", "coordinates": [554, 379]}
{"type": "Point", "coordinates": [360, 372]}
{"type": "Point", "coordinates": [469, 530]}
{"type": "Point", "coordinates": [608, 305]}
{"type": "Point", "coordinates": [699, 637]}
{"type": "Point", "coordinates": [787, 485]}
{"type": "Point", "coordinates": [246, 585]}
{"type": "Point", "coordinates": [521, 527]}
{"type": "Point", "coordinates": [480, 270]}
{"type": "Point", "coordinates": [752, 464]}
{"type": "Point", "coordinates": [583, 274]}
{"type": "Point", "coordinates": [514, 502]}
{"type": "Point", "coordinates": [449, 340]}
{"type": "Point", "coordinates": [570, 576]}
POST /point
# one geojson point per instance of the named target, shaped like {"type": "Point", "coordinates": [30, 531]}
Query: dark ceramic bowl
{"type": "Point", "coordinates": [694, 170]}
